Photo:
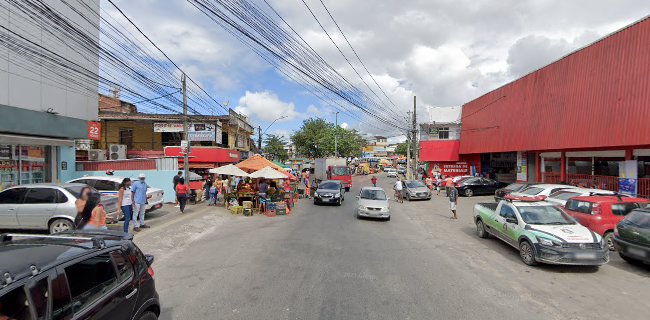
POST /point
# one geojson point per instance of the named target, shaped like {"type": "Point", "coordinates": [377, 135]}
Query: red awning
{"type": "Point", "coordinates": [439, 150]}
{"type": "Point", "coordinates": [206, 154]}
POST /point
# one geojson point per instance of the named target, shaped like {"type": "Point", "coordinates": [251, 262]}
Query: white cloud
{"type": "Point", "coordinates": [344, 125]}
{"type": "Point", "coordinates": [266, 106]}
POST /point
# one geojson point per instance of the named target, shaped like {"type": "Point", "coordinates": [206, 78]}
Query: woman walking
{"type": "Point", "coordinates": [213, 195]}
{"type": "Point", "coordinates": [126, 202]}
{"type": "Point", "coordinates": [181, 190]}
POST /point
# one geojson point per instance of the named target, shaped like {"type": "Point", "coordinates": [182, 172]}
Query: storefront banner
{"type": "Point", "coordinates": [451, 168]}
{"type": "Point", "coordinates": [522, 166]}
{"type": "Point", "coordinates": [167, 127]}
{"type": "Point", "coordinates": [94, 130]}
{"type": "Point", "coordinates": [201, 132]}
{"type": "Point", "coordinates": [627, 177]}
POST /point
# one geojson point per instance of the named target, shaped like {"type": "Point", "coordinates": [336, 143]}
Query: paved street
{"type": "Point", "coordinates": [323, 263]}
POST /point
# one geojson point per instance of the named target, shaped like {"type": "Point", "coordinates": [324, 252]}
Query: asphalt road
{"type": "Point", "coordinates": [323, 263]}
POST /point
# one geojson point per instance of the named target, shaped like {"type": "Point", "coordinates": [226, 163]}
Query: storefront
{"type": "Point", "coordinates": [25, 159]}
{"type": "Point", "coordinates": [441, 157]}
{"type": "Point", "coordinates": [201, 159]}
{"type": "Point", "coordinates": [555, 125]}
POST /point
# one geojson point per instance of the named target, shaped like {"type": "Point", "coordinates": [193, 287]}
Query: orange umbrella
{"type": "Point", "coordinates": [257, 162]}
{"type": "Point", "coordinates": [290, 176]}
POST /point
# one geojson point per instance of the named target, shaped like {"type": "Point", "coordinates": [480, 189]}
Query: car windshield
{"type": "Point", "coordinates": [514, 186]}
{"type": "Point", "coordinates": [639, 218]}
{"type": "Point", "coordinates": [544, 215]}
{"type": "Point", "coordinates": [564, 195]}
{"type": "Point", "coordinates": [340, 171]}
{"type": "Point", "coordinates": [329, 186]}
{"type": "Point", "coordinates": [414, 184]}
{"type": "Point", "coordinates": [373, 194]}
{"type": "Point", "coordinates": [532, 191]}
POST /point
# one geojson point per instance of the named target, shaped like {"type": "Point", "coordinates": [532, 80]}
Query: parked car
{"type": "Point", "coordinates": [392, 174]}
{"type": "Point", "coordinates": [388, 169]}
{"type": "Point", "coordinates": [601, 214]}
{"type": "Point", "coordinates": [472, 186]}
{"type": "Point", "coordinates": [373, 203]}
{"type": "Point", "coordinates": [99, 275]}
{"type": "Point", "coordinates": [330, 191]}
{"type": "Point", "coordinates": [541, 231]}
{"type": "Point", "coordinates": [499, 194]}
{"type": "Point", "coordinates": [401, 170]}
{"type": "Point", "coordinates": [46, 206]}
{"type": "Point", "coordinates": [632, 236]}
{"type": "Point", "coordinates": [109, 186]}
{"type": "Point", "coordinates": [541, 189]}
{"type": "Point", "coordinates": [459, 178]}
{"type": "Point", "coordinates": [560, 197]}
{"type": "Point", "coordinates": [415, 189]}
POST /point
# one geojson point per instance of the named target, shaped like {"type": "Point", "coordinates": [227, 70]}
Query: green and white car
{"type": "Point", "coordinates": [541, 231]}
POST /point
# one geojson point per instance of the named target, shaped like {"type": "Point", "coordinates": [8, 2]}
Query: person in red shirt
{"type": "Point", "coordinates": [374, 181]}
{"type": "Point", "coordinates": [181, 191]}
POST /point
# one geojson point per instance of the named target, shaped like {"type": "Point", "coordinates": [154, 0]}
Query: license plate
{"type": "Point", "coordinates": [636, 252]}
{"type": "Point", "coordinates": [585, 255]}
{"type": "Point", "coordinates": [326, 200]}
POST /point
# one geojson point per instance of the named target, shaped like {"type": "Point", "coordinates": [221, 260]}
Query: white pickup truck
{"type": "Point", "coordinates": [541, 232]}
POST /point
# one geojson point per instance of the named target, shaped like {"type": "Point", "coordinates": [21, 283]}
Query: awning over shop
{"type": "Point", "coordinates": [255, 163]}
{"type": "Point", "coordinates": [210, 155]}
{"type": "Point", "coordinates": [439, 150]}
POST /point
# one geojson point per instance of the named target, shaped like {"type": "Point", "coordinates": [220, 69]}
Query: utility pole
{"type": "Point", "coordinates": [259, 139]}
{"type": "Point", "coordinates": [408, 150]}
{"type": "Point", "coordinates": [416, 144]}
{"type": "Point", "coordinates": [186, 165]}
{"type": "Point", "coordinates": [336, 135]}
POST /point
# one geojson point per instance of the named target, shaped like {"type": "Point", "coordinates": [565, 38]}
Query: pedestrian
{"type": "Point", "coordinates": [453, 200]}
{"type": "Point", "coordinates": [97, 219]}
{"type": "Point", "coordinates": [176, 178]}
{"type": "Point", "coordinates": [181, 193]}
{"type": "Point", "coordinates": [126, 202]}
{"type": "Point", "coordinates": [429, 183]}
{"type": "Point", "coordinates": [398, 190]}
{"type": "Point", "coordinates": [85, 204]}
{"type": "Point", "coordinates": [307, 189]}
{"type": "Point", "coordinates": [438, 183]}
{"type": "Point", "coordinates": [139, 195]}
{"type": "Point", "coordinates": [374, 181]}
{"type": "Point", "coordinates": [207, 185]}
{"type": "Point", "coordinates": [213, 195]}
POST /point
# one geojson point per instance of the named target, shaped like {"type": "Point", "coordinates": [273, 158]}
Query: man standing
{"type": "Point", "coordinates": [374, 181]}
{"type": "Point", "coordinates": [176, 179]}
{"type": "Point", "coordinates": [398, 190]}
{"type": "Point", "coordinates": [139, 192]}
{"type": "Point", "coordinates": [453, 200]}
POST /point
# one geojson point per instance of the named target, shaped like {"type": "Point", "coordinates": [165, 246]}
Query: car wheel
{"type": "Point", "coordinates": [408, 197]}
{"type": "Point", "coordinates": [527, 253]}
{"type": "Point", "coordinates": [609, 240]}
{"type": "Point", "coordinates": [388, 219]}
{"type": "Point", "coordinates": [148, 316]}
{"type": "Point", "coordinates": [480, 229]}
{"type": "Point", "coordinates": [469, 192]}
{"type": "Point", "coordinates": [347, 189]}
{"type": "Point", "coordinates": [60, 225]}
{"type": "Point", "coordinates": [339, 203]}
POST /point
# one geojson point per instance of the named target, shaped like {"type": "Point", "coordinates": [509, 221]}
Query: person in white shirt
{"type": "Point", "coordinates": [398, 190]}
{"type": "Point", "coordinates": [125, 201]}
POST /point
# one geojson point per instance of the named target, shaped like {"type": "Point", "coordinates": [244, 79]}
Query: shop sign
{"type": "Point", "coordinates": [451, 168]}
{"type": "Point", "coordinates": [94, 130]}
{"type": "Point", "coordinates": [201, 132]}
{"type": "Point", "coordinates": [167, 127]}
{"type": "Point", "coordinates": [627, 177]}
{"type": "Point", "coordinates": [82, 144]}
{"type": "Point", "coordinates": [5, 152]}
{"type": "Point", "coordinates": [522, 166]}
{"type": "Point", "coordinates": [184, 146]}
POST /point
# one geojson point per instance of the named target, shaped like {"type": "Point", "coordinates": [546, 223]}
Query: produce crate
{"type": "Point", "coordinates": [247, 204]}
{"type": "Point", "coordinates": [248, 212]}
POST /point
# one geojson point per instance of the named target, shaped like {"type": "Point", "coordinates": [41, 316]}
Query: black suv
{"type": "Point", "coordinates": [76, 275]}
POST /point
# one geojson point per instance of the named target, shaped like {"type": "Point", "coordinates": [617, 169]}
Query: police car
{"type": "Point", "coordinates": [109, 186]}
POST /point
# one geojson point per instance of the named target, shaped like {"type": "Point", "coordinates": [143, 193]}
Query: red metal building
{"type": "Point", "coordinates": [572, 120]}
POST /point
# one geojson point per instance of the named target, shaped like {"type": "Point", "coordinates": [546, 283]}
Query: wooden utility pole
{"type": "Point", "coordinates": [416, 144]}
{"type": "Point", "coordinates": [259, 139]}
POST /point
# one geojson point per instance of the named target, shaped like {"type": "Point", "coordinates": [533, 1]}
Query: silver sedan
{"type": "Point", "coordinates": [373, 203]}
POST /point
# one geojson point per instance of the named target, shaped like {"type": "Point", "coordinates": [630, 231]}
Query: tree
{"type": "Point", "coordinates": [274, 146]}
{"type": "Point", "coordinates": [315, 139]}
{"type": "Point", "coordinates": [401, 149]}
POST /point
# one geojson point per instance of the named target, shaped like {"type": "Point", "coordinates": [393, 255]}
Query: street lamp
{"type": "Point", "coordinates": [259, 128]}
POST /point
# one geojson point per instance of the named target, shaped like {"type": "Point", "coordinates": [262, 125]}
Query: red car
{"type": "Point", "coordinates": [602, 213]}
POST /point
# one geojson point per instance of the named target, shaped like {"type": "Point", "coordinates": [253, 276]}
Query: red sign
{"type": "Point", "coordinates": [450, 168]}
{"type": "Point", "coordinates": [94, 130]}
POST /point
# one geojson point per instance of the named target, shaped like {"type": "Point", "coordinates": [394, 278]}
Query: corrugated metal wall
{"type": "Point", "coordinates": [596, 97]}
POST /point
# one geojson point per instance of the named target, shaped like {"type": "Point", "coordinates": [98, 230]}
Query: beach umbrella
{"type": "Point", "coordinates": [229, 170]}
{"type": "Point", "coordinates": [268, 173]}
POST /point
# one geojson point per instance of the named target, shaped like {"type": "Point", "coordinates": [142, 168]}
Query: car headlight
{"type": "Point", "coordinates": [362, 207]}
{"type": "Point", "coordinates": [547, 242]}
{"type": "Point", "coordinates": [385, 209]}
{"type": "Point", "coordinates": [337, 195]}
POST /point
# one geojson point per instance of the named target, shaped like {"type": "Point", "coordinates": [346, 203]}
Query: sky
{"type": "Point", "coordinates": [445, 52]}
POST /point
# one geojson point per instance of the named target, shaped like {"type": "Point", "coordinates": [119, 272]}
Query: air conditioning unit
{"type": "Point", "coordinates": [96, 154]}
{"type": "Point", "coordinates": [116, 151]}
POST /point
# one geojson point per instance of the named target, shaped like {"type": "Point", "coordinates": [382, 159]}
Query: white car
{"type": "Point", "coordinates": [392, 174]}
{"type": "Point", "coordinates": [541, 190]}
{"type": "Point", "coordinates": [560, 197]}
{"type": "Point", "coordinates": [109, 186]}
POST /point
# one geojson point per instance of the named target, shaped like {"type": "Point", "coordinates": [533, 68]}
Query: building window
{"type": "Point", "coordinates": [126, 137]}
{"type": "Point", "coordinates": [443, 133]}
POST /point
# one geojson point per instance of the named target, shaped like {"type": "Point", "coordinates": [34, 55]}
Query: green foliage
{"type": "Point", "coordinates": [274, 146]}
{"type": "Point", "coordinates": [401, 149]}
{"type": "Point", "coordinates": [315, 139]}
